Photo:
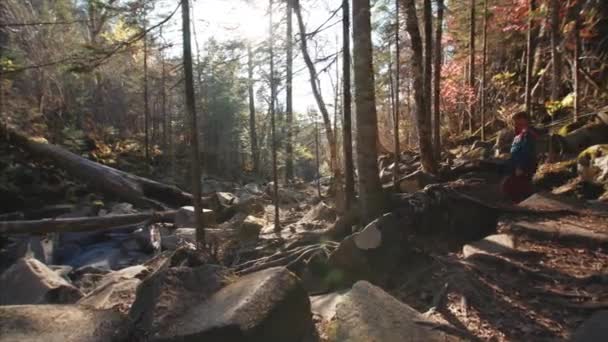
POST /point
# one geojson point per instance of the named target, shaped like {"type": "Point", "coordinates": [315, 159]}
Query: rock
{"type": "Point", "coordinates": [250, 228]}
{"type": "Point", "coordinates": [371, 253]}
{"type": "Point", "coordinates": [61, 323]}
{"type": "Point", "coordinates": [416, 181]}
{"type": "Point", "coordinates": [29, 281]}
{"type": "Point", "coordinates": [368, 314]}
{"type": "Point", "coordinates": [325, 305]}
{"type": "Point", "coordinates": [184, 217]}
{"type": "Point", "coordinates": [167, 293]}
{"type": "Point", "coordinates": [270, 305]}
{"type": "Point", "coordinates": [592, 164]}
{"type": "Point", "coordinates": [595, 328]}
{"type": "Point", "coordinates": [254, 188]}
{"type": "Point", "coordinates": [62, 270]}
{"type": "Point", "coordinates": [320, 212]}
{"type": "Point", "coordinates": [226, 199]}
{"type": "Point", "coordinates": [493, 244]}
{"type": "Point", "coordinates": [116, 289]}
{"type": "Point", "coordinates": [179, 236]}
{"type": "Point", "coordinates": [477, 153]}
{"type": "Point", "coordinates": [41, 248]}
{"type": "Point", "coordinates": [122, 209]}
{"type": "Point", "coordinates": [504, 138]}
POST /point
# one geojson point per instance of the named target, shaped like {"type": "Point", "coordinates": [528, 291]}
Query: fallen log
{"type": "Point", "coordinates": [82, 224]}
{"type": "Point", "coordinates": [126, 186]}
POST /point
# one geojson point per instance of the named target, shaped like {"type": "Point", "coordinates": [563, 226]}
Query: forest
{"type": "Point", "coordinates": [303, 170]}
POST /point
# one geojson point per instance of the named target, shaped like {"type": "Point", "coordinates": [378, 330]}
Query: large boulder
{"type": "Point", "coordinates": [61, 323]}
{"type": "Point", "coordinates": [116, 289]}
{"type": "Point", "coordinates": [595, 328]}
{"type": "Point", "coordinates": [368, 314]}
{"type": "Point", "coordinates": [29, 281]}
{"type": "Point", "coordinates": [270, 305]}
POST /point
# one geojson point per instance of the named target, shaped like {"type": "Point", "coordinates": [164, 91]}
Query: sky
{"type": "Point", "coordinates": [228, 19]}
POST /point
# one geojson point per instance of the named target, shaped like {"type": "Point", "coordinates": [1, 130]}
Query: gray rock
{"type": "Point", "coordinates": [368, 314]}
{"type": "Point", "coordinates": [250, 228]}
{"type": "Point", "coordinates": [416, 181]}
{"type": "Point", "coordinates": [254, 188]}
{"type": "Point", "coordinates": [270, 305]}
{"type": "Point", "coordinates": [116, 289]}
{"type": "Point", "coordinates": [493, 244]}
{"type": "Point", "coordinates": [594, 329]}
{"type": "Point", "coordinates": [61, 323]}
{"type": "Point", "coordinates": [179, 236]}
{"type": "Point", "coordinates": [184, 217]}
{"type": "Point", "coordinates": [29, 281]}
{"type": "Point", "coordinates": [41, 248]}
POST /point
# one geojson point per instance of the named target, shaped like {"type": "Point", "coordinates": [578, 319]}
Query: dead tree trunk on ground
{"type": "Point", "coordinates": [128, 187]}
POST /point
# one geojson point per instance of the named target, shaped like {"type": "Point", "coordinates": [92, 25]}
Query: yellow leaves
{"type": "Point", "coordinates": [120, 32]}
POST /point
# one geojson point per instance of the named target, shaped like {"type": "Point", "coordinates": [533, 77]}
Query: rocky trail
{"type": "Point", "coordinates": [450, 260]}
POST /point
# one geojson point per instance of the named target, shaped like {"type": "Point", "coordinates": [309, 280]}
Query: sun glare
{"type": "Point", "coordinates": [232, 19]}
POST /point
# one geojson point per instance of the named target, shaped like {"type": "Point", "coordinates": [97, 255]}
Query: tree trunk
{"type": "Point", "coordinates": [437, 80]}
{"type": "Point", "coordinates": [317, 157]}
{"type": "Point", "coordinates": [128, 187]}
{"type": "Point", "coordinates": [273, 95]}
{"type": "Point", "coordinates": [370, 190]}
{"type": "Point", "coordinates": [397, 103]}
{"type": "Point", "coordinates": [428, 61]}
{"type": "Point", "coordinates": [83, 224]}
{"type": "Point", "coordinates": [483, 70]}
{"type": "Point", "coordinates": [289, 96]}
{"type": "Point", "coordinates": [347, 140]}
{"type": "Point", "coordinates": [146, 104]}
{"type": "Point", "coordinates": [472, 66]}
{"type": "Point", "coordinates": [575, 64]}
{"type": "Point", "coordinates": [333, 152]}
{"type": "Point", "coordinates": [191, 109]}
{"type": "Point", "coordinates": [531, 46]}
{"type": "Point", "coordinates": [556, 56]}
{"type": "Point", "coordinates": [423, 121]}
{"type": "Point", "coordinates": [253, 137]}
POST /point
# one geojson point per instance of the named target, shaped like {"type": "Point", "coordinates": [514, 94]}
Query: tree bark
{"type": "Point", "coordinates": [423, 121]}
{"type": "Point", "coordinates": [191, 109]}
{"type": "Point", "coordinates": [575, 63]}
{"type": "Point", "coordinates": [128, 187]}
{"type": "Point", "coordinates": [146, 104]}
{"type": "Point", "coordinates": [370, 191]}
{"type": "Point", "coordinates": [397, 90]}
{"type": "Point", "coordinates": [253, 137]}
{"type": "Point", "coordinates": [437, 80]}
{"type": "Point", "coordinates": [556, 56]}
{"type": "Point", "coordinates": [428, 61]}
{"type": "Point", "coordinates": [82, 224]}
{"type": "Point", "coordinates": [347, 139]}
{"type": "Point", "coordinates": [472, 66]}
{"type": "Point", "coordinates": [531, 46]}
{"type": "Point", "coordinates": [273, 95]}
{"type": "Point", "coordinates": [483, 70]}
{"type": "Point", "coordinates": [289, 96]}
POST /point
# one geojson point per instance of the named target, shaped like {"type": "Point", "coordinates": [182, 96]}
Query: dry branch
{"type": "Point", "coordinates": [82, 224]}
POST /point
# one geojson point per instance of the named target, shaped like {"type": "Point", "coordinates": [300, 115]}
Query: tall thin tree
{"type": "Point", "coordinates": [483, 71]}
{"type": "Point", "coordinates": [146, 100]}
{"type": "Point", "coordinates": [530, 56]}
{"type": "Point", "coordinates": [472, 64]}
{"type": "Point", "coordinates": [423, 121]}
{"type": "Point", "coordinates": [347, 138]}
{"type": "Point", "coordinates": [397, 90]}
{"type": "Point", "coordinates": [427, 14]}
{"type": "Point", "coordinates": [370, 191]}
{"type": "Point", "coordinates": [289, 95]}
{"type": "Point", "coordinates": [191, 109]}
{"type": "Point", "coordinates": [273, 96]}
{"type": "Point", "coordinates": [437, 80]}
{"type": "Point", "coordinates": [556, 56]}
{"type": "Point", "coordinates": [577, 55]}
{"type": "Point", "coordinates": [253, 137]}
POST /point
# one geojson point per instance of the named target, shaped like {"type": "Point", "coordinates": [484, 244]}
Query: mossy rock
{"type": "Point", "coordinates": [569, 128]}
{"type": "Point", "coordinates": [594, 151]}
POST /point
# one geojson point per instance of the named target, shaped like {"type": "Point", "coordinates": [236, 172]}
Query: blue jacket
{"type": "Point", "coordinates": [523, 152]}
